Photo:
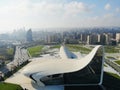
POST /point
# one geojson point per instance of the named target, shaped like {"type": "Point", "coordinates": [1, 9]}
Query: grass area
{"type": "Point", "coordinates": [110, 57]}
{"type": "Point", "coordinates": [118, 62]}
{"type": "Point", "coordinates": [55, 46]}
{"type": "Point", "coordinates": [74, 48]}
{"type": "Point", "coordinates": [6, 54]}
{"type": "Point", "coordinates": [78, 48]}
{"type": "Point", "coordinates": [9, 86]}
{"type": "Point", "coordinates": [114, 75]}
{"type": "Point", "coordinates": [10, 51]}
{"type": "Point", "coordinates": [105, 65]}
{"type": "Point", "coordinates": [111, 49]}
{"type": "Point", "coordinates": [35, 50]}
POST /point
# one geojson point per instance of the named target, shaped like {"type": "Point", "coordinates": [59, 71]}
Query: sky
{"type": "Point", "coordinates": [15, 14]}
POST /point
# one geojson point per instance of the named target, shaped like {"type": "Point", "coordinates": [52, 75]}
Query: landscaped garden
{"type": "Point", "coordinates": [35, 50]}
{"type": "Point", "coordinates": [111, 49]}
{"type": "Point", "coordinates": [118, 62]}
{"type": "Point", "coordinates": [9, 86]}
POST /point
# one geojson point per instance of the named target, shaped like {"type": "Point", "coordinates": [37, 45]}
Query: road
{"type": "Point", "coordinates": [20, 57]}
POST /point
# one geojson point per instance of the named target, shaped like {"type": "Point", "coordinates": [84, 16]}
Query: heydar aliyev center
{"type": "Point", "coordinates": [69, 70]}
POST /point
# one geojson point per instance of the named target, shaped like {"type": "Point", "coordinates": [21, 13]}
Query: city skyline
{"type": "Point", "coordinates": [15, 14]}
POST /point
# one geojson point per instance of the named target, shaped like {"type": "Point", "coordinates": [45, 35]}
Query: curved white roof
{"type": "Point", "coordinates": [66, 54]}
{"type": "Point", "coordinates": [65, 65]}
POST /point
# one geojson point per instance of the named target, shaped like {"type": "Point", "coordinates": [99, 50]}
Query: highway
{"type": "Point", "coordinates": [20, 57]}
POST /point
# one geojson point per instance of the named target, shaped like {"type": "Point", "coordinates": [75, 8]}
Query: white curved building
{"type": "Point", "coordinates": [66, 54]}
{"type": "Point", "coordinates": [69, 70]}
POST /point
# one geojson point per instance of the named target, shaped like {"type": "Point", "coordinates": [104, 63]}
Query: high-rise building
{"type": "Point", "coordinates": [93, 39]}
{"type": "Point", "coordinates": [118, 37]}
{"type": "Point", "coordinates": [88, 39]}
{"type": "Point", "coordinates": [83, 37]}
{"type": "Point", "coordinates": [103, 39]}
{"type": "Point", "coordinates": [29, 35]}
{"type": "Point", "coordinates": [108, 38]}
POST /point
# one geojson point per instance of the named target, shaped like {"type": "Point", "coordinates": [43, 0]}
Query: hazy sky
{"type": "Point", "coordinates": [58, 13]}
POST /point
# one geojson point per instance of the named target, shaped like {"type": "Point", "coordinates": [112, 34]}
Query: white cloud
{"type": "Point", "coordinates": [104, 20]}
{"type": "Point", "coordinates": [107, 6]}
{"type": "Point", "coordinates": [27, 8]}
{"type": "Point", "coordinates": [34, 14]}
{"type": "Point", "coordinates": [118, 10]}
{"type": "Point", "coordinates": [71, 8]}
{"type": "Point", "coordinates": [108, 15]}
{"type": "Point", "coordinates": [76, 7]}
{"type": "Point", "coordinates": [45, 13]}
{"type": "Point", "coordinates": [47, 8]}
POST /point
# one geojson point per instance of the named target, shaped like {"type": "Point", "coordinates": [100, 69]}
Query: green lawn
{"type": "Point", "coordinates": [114, 75]}
{"type": "Point", "coordinates": [118, 62]}
{"type": "Point", "coordinates": [74, 48]}
{"type": "Point", "coordinates": [82, 49]}
{"type": "Point", "coordinates": [9, 86]}
{"type": "Point", "coordinates": [10, 51]}
{"type": "Point", "coordinates": [55, 46]}
{"type": "Point", "coordinates": [111, 49]}
{"type": "Point", "coordinates": [6, 54]}
{"type": "Point", "coordinates": [110, 57]}
{"type": "Point", "coordinates": [78, 48]}
{"type": "Point", "coordinates": [35, 50]}
{"type": "Point", "coordinates": [105, 65]}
